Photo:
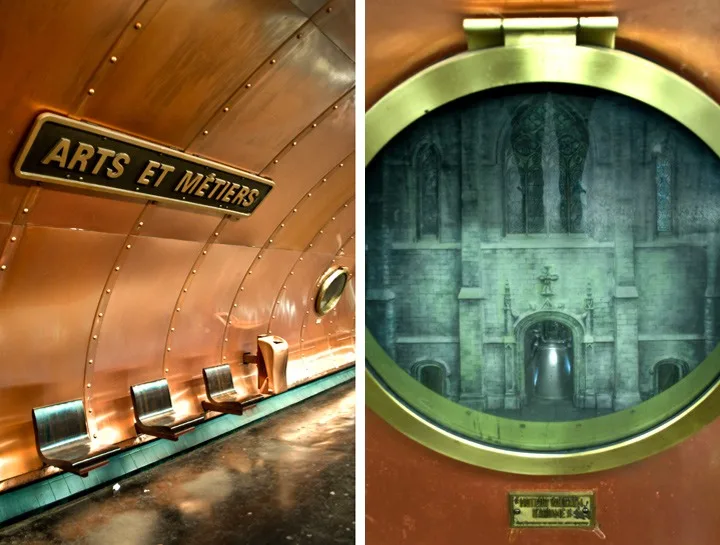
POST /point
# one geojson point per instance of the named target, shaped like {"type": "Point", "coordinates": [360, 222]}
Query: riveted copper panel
{"type": "Point", "coordinates": [73, 210]}
{"type": "Point", "coordinates": [313, 212]}
{"type": "Point", "coordinates": [337, 20]}
{"type": "Point", "coordinates": [283, 98]}
{"type": "Point", "coordinates": [199, 326]}
{"type": "Point", "coordinates": [217, 43]}
{"type": "Point", "coordinates": [47, 292]}
{"type": "Point", "coordinates": [131, 342]}
{"type": "Point", "coordinates": [166, 222]}
{"type": "Point", "coordinates": [255, 302]}
{"type": "Point", "coordinates": [309, 7]}
{"type": "Point", "coordinates": [299, 170]}
{"type": "Point", "coordinates": [61, 43]}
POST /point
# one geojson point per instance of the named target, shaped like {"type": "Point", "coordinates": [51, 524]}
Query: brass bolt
{"type": "Point", "coordinates": [206, 133]}
{"type": "Point", "coordinates": [194, 271]}
{"type": "Point", "coordinates": [117, 268]}
{"type": "Point", "coordinates": [129, 246]}
{"type": "Point", "coordinates": [273, 61]}
{"type": "Point", "coordinates": [3, 268]}
{"type": "Point", "coordinates": [248, 85]}
{"type": "Point", "coordinates": [168, 349]}
{"type": "Point", "coordinates": [167, 370]}
{"type": "Point", "coordinates": [113, 59]}
{"type": "Point", "coordinates": [329, 10]}
{"type": "Point", "coordinates": [100, 314]}
{"type": "Point", "coordinates": [140, 224]}
{"type": "Point", "coordinates": [138, 26]}
{"type": "Point", "coordinates": [226, 109]}
{"type": "Point", "coordinates": [294, 143]}
{"type": "Point", "coordinates": [91, 91]}
{"type": "Point", "coordinates": [26, 210]}
{"type": "Point", "coordinates": [89, 385]}
{"type": "Point", "coordinates": [335, 107]}
{"type": "Point", "coordinates": [13, 239]}
{"type": "Point", "coordinates": [95, 337]}
{"type": "Point", "coordinates": [90, 362]}
{"type": "Point", "coordinates": [314, 125]}
{"type": "Point", "coordinates": [107, 290]}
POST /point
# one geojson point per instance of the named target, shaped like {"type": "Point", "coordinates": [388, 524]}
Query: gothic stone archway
{"type": "Point", "coordinates": [523, 325]}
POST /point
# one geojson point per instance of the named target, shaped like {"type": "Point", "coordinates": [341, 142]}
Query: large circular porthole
{"type": "Point", "coordinates": [331, 289]}
{"type": "Point", "coordinates": [543, 258]}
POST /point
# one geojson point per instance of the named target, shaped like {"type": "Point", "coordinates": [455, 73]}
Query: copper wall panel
{"type": "Point", "coordinates": [340, 328]}
{"type": "Point", "coordinates": [46, 56]}
{"type": "Point", "coordinates": [217, 43]}
{"type": "Point", "coordinates": [337, 21]}
{"type": "Point", "coordinates": [131, 344]}
{"type": "Point", "coordinates": [313, 212]}
{"type": "Point", "coordinates": [49, 295]}
{"type": "Point", "coordinates": [417, 496]}
{"type": "Point", "coordinates": [309, 7]}
{"type": "Point", "coordinates": [310, 74]}
{"type": "Point", "coordinates": [199, 326]}
{"type": "Point", "coordinates": [83, 212]}
{"type": "Point", "coordinates": [298, 170]}
{"type": "Point", "coordinates": [166, 222]}
{"type": "Point", "coordinates": [254, 302]}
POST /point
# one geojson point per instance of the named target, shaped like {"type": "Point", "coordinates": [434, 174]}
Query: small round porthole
{"type": "Point", "coordinates": [331, 289]}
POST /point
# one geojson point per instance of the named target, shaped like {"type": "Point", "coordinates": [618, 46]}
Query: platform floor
{"type": "Point", "coordinates": [287, 479]}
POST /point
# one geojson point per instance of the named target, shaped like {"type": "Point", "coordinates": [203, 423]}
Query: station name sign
{"type": "Point", "coordinates": [557, 509]}
{"type": "Point", "coordinates": [69, 152]}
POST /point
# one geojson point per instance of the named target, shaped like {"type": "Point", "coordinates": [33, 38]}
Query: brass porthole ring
{"type": "Point", "coordinates": [332, 286]}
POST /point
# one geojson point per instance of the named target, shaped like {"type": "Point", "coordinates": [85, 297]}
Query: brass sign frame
{"type": "Point", "coordinates": [541, 448]}
{"type": "Point", "coordinates": [566, 502]}
{"type": "Point", "coordinates": [203, 184]}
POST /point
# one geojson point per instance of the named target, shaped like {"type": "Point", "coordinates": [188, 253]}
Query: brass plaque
{"type": "Point", "coordinates": [552, 509]}
{"type": "Point", "coordinates": [68, 152]}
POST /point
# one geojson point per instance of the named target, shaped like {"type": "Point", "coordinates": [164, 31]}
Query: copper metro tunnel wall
{"type": "Point", "coordinates": [100, 293]}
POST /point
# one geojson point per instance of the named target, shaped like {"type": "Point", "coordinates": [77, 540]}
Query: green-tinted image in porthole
{"type": "Point", "coordinates": [546, 253]}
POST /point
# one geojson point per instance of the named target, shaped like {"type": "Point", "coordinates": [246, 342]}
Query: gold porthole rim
{"type": "Point", "coordinates": [473, 436]}
{"type": "Point", "coordinates": [325, 282]}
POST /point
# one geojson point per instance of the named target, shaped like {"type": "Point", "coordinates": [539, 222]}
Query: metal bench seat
{"type": "Point", "coordinates": [154, 413]}
{"type": "Point", "coordinates": [62, 438]}
{"type": "Point", "coordinates": [221, 394]}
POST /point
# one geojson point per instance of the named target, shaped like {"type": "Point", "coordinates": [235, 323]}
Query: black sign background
{"type": "Point", "coordinates": [51, 130]}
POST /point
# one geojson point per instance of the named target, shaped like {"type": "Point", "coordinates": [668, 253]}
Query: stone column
{"type": "Point", "coordinates": [471, 297]}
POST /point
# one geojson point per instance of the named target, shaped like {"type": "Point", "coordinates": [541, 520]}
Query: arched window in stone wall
{"type": "Point", "coordinates": [433, 375]}
{"type": "Point", "coordinates": [427, 167]}
{"type": "Point", "coordinates": [668, 372]}
{"type": "Point", "coordinates": [664, 182]}
{"type": "Point", "coordinates": [548, 145]}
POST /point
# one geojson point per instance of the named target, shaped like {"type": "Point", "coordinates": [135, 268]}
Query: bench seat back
{"type": "Point", "coordinates": [218, 381]}
{"type": "Point", "coordinates": [151, 399]}
{"type": "Point", "coordinates": [60, 424]}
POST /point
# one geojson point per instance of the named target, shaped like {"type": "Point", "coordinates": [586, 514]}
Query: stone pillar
{"type": "Point", "coordinates": [380, 298]}
{"type": "Point", "coordinates": [471, 298]}
{"type": "Point", "coordinates": [711, 295]}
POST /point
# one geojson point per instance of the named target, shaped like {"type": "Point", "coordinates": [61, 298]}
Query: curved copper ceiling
{"type": "Point", "coordinates": [98, 293]}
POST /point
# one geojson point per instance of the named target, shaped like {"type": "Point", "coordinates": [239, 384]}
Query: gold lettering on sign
{"type": "Point", "coordinates": [104, 154]}
{"type": "Point", "coordinates": [118, 163]}
{"type": "Point", "coordinates": [206, 183]}
{"type": "Point", "coordinates": [187, 183]}
{"type": "Point", "coordinates": [241, 194]}
{"type": "Point", "coordinates": [143, 179]}
{"type": "Point", "coordinates": [218, 184]}
{"type": "Point", "coordinates": [59, 153]}
{"type": "Point", "coordinates": [83, 152]}
{"type": "Point", "coordinates": [251, 197]}
{"type": "Point", "coordinates": [165, 169]}
{"type": "Point", "coordinates": [230, 192]}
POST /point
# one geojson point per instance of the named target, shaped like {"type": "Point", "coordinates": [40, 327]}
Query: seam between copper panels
{"type": "Point", "coordinates": [316, 286]}
{"type": "Point", "coordinates": [102, 305]}
{"type": "Point", "coordinates": [327, 8]}
{"type": "Point", "coordinates": [17, 230]}
{"type": "Point", "coordinates": [307, 130]}
{"type": "Point", "coordinates": [165, 370]}
{"type": "Point", "coordinates": [265, 246]}
{"type": "Point", "coordinates": [291, 272]}
{"type": "Point", "coordinates": [123, 42]}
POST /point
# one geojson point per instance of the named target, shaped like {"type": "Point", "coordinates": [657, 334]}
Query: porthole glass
{"type": "Point", "coordinates": [544, 255]}
{"type": "Point", "coordinates": [332, 286]}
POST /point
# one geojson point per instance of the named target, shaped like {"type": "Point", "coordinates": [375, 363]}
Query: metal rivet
{"type": "Point", "coordinates": [90, 362]}
{"type": "Point", "coordinates": [314, 125]}
{"type": "Point", "coordinates": [309, 245]}
{"type": "Point", "coordinates": [321, 231]}
{"type": "Point", "coordinates": [172, 329]}
{"type": "Point", "coordinates": [216, 234]}
{"type": "Point", "coordinates": [167, 370]}
{"type": "Point", "coordinates": [294, 143]}
{"type": "Point", "coordinates": [242, 288]}
{"type": "Point", "coordinates": [273, 317]}
{"type": "Point", "coordinates": [138, 26]}
{"type": "Point", "coordinates": [89, 385]}
{"type": "Point", "coordinates": [194, 271]}
{"type": "Point", "coordinates": [90, 411]}
{"type": "Point", "coordinates": [345, 207]}
{"type": "Point", "coordinates": [301, 259]}
{"type": "Point", "coordinates": [95, 337]}
{"type": "Point", "coordinates": [270, 241]}
{"type": "Point", "coordinates": [276, 162]}
{"type": "Point", "coordinates": [113, 59]}
{"type": "Point", "coordinates": [129, 246]}
{"type": "Point", "coordinates": [342, 165]}
{"type": "Point", "coordinates": [26, 210]}
{"type": "Point", "coordinates": [335, 107]}
{"type": "Point", "coordinates": [248, 85]}
{"type": "Point", "coordinates": [91, 91]}
{"type": "Point", "coordinates": [302, 340]}
{"type": "Point", "coordinates": [273, 61]}
{"type": "Point", "coordinates": [206, 132]}
{"type": "Point", "coordinates": [3, 268]}
{"type": "Point", "coordinates": [204, 252]}
{"type": "Point", "coordinates": [107, 290]}
{"type": "Point", "coordinates": [117, 268]}
{"type": "Point", "coordinates": [226, 109]}
{"type": "Point", "coordinates": [177, 309]}
{"type": "Point", "coordinates": [234, 305]}
{"type": "Point", "coordinates": [249, 272]}
{"type": "Point", "coordinates": [324, 179]}
{"type": "Point", "coordinates": [168, 349]}
{"type": "Point", "coordinates": [329, 10]}
{"type": "Point", "coordinates": [100, 314]}
{"type": "Point", "coordinates": [294, 210]}
{"type": "Point", "coordinates": [282, 225]}
{"type": "Point", "coordinates": [224, 357]}
{"type": "Point", "coordinates": [185, 290]}
{"type": "Point", "coordinates": [13, 239]}
{"type": "Point", "coordinates": [94, 435]}
{"type": "Point", "coordinates": [299, 36]}
{"type": "Point", "coordinates": [292, 272]}
{"type": "Point", "coordinates": [309, 194]}
{"type": "Point", "coordinates": [226, 340]}
{"type": "Point", "coordinates": [140, 224]}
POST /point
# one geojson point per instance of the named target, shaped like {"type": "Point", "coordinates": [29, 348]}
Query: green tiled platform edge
{"type": "Point", "coordinates": [42, 494]}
